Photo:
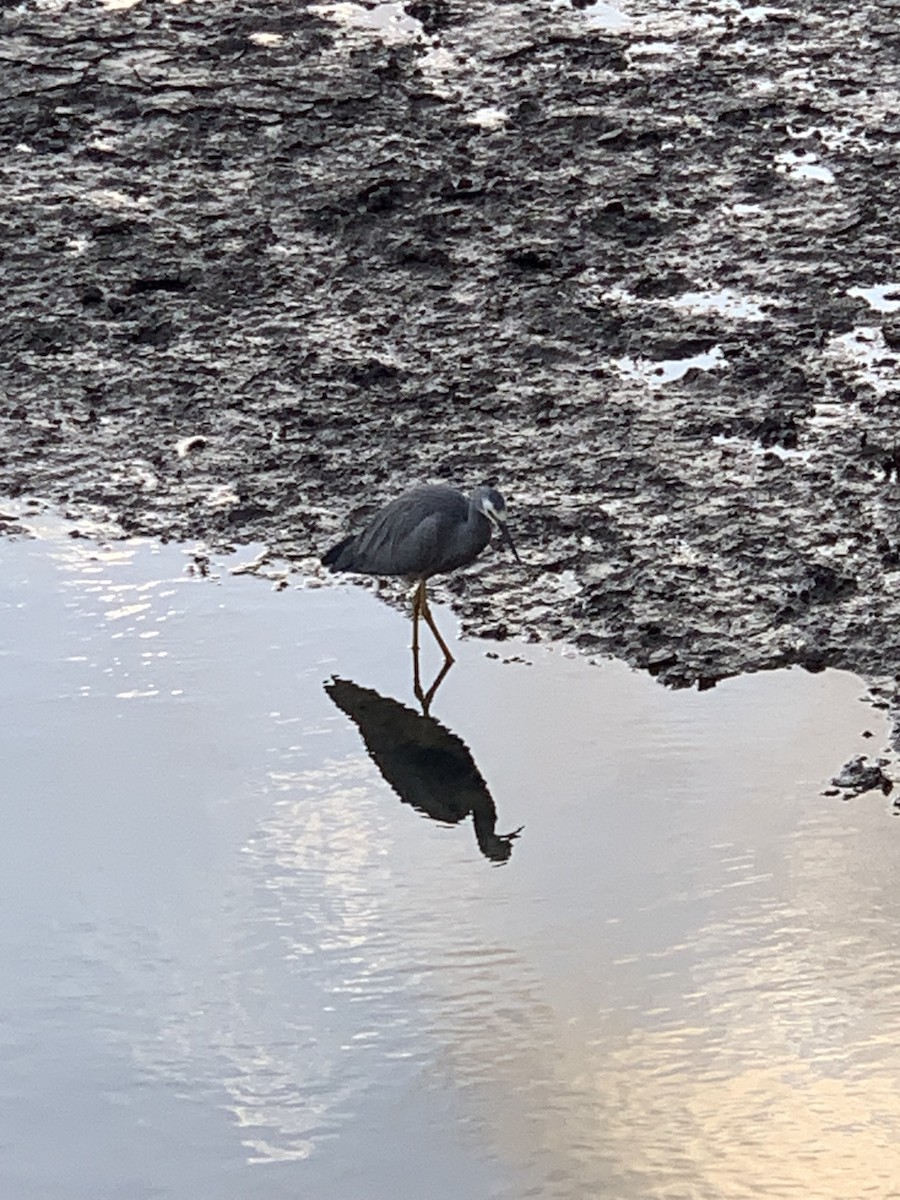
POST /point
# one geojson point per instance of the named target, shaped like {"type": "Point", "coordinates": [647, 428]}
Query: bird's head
{"type": "Point", "coordinates": [489, 502]}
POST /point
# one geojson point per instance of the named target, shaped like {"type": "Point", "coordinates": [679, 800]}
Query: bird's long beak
{"type": "Point", "coordinates": [506, 539]}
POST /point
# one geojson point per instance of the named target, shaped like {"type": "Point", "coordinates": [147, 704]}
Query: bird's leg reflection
{"type": "Point", "coordinates": [423, 697]}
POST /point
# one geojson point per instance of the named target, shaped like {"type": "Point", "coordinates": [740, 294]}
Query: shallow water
{"type": "Point", "coordinates": [235, 965]}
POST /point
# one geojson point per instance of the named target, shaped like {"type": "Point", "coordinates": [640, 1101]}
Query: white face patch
{"type": "Point", "coordinates": [494, 514]}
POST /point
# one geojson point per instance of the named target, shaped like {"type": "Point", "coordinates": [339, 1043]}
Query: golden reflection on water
{"type": "Point", "coordinates": [758, 1055]}
{"type": "Point", "coordinates": [761, 1056]}
{"type": "Point", "coordinates": [775, 1072]}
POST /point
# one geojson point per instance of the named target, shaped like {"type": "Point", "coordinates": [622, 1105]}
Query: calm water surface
{"type": "Point", "coordinates": [233, 964]}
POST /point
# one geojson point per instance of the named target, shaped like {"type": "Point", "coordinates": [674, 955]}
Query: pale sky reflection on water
{"type": "Point", "coordinates": [269, 975]}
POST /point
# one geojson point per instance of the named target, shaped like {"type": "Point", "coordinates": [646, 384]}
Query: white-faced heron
{"type": "Point", "coordinates": [427, 531]}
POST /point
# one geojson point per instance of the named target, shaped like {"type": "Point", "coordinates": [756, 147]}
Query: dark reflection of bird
{"type": "Point", "coordinates": [427, 531]}
{"type": "Point", "coordinates": [427, 766]}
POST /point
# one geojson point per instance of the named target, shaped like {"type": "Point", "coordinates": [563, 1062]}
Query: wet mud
{"type": "Point", "coordinates": [267, 264]}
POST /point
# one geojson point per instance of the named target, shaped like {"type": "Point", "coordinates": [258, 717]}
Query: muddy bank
{"type": "Point", "coordinates": [264, 263]}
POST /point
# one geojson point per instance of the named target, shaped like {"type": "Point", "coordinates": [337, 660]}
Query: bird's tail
{"type": "Point", "coordinates": [332, 558]}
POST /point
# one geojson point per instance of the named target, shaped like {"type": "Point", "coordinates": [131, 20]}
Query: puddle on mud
{"type": "Point", "coordinates": [883, 297]}
{"type": "Point", "coordinates": [803, 166]}
{"type": "Point", "coordinates": [669, 370]}
{"type": "Point", "coordinates": [235, 964]}
{"type": "Point", "coordinates": [389, 22]}
{"type": "Point", "coordinates": [598, 15]}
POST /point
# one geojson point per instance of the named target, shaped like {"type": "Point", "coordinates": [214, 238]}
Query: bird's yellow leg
{"type": "Point", "coordinates": [426, 613]}
{"type": "Point", "coordinates": [416, 606]}
{"type": "Point", "coordinates": [417, 603]}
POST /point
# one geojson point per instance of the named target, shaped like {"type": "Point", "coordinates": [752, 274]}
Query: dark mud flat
{"type": "Point", "coordinates": [264, 262]}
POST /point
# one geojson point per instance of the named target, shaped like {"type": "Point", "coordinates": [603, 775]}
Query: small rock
{"type": "Point", "coordinates": [659, 660]}
{"type": "Point", "coordinates": [860, 775]}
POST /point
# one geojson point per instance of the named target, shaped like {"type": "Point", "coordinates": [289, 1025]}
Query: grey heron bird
{"type": "Point", "coordinates": [426, 531]}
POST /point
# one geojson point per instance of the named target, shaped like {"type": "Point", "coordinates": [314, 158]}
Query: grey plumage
{"type": "Point", "coordinates": [427, 531]}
